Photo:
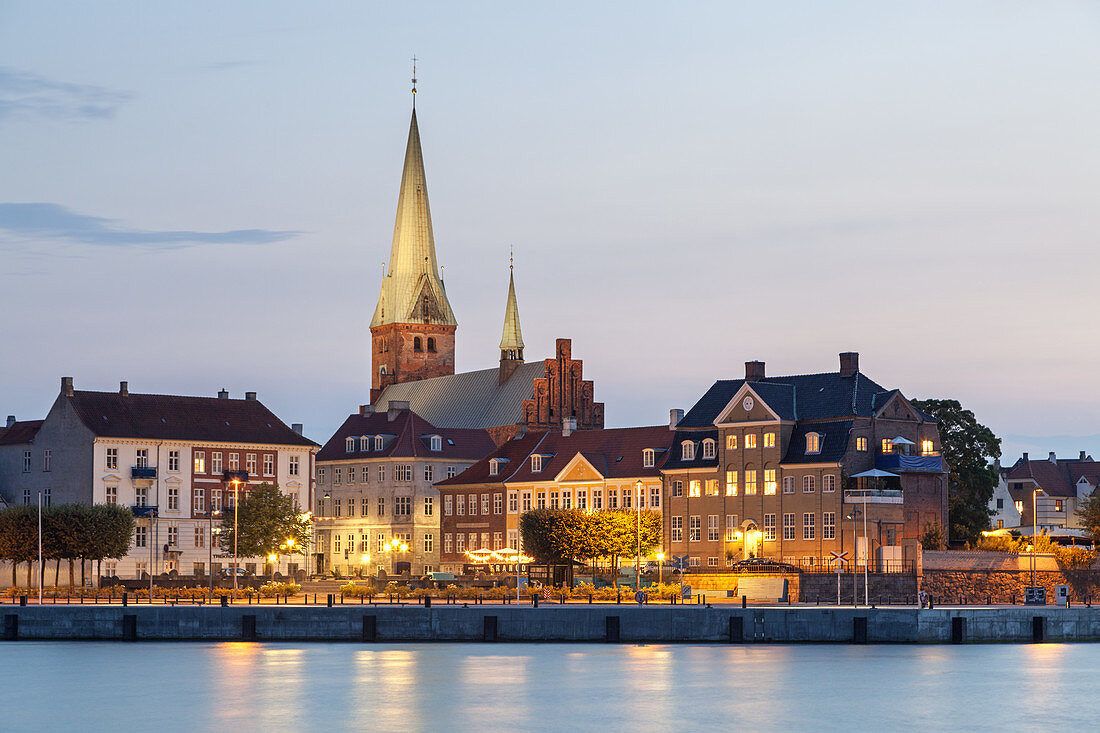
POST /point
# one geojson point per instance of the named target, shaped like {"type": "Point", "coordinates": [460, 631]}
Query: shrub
{"type": "Point", "coordinates": [1075, 558]}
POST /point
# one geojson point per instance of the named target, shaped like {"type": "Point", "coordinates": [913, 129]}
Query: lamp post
{"type": "Point", "coordinates": [41, 570]}
{"type": "Point", "coordinates": [660, 567]}
{"type": "Point", "coordinates": [365, 560]}
{"type": "Point", "coordinates": [855, 559]}
{"type": "Point", "coordinates": [288, 546]}
{"type": "Point", "coordinates": [867, 554]}
{"type": "Point", "coordinates": [639, 486]}
{"type": "Point", "coordinates": [236, 560]}
{"type": "Point", "coordinates": [1034, 529]}
{"type": "Point", "coordinates": [210, 516]}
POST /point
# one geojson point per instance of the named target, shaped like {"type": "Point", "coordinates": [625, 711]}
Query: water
{"type": "Point", "coordinates": [240, 687]}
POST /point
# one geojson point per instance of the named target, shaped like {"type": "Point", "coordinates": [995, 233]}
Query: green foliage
{"type": "Point", "coordinates": [1089, 513]}
{"type": "Point", "coordinates": [562, 535]}
{"type": "Point", "coordinates": [69, 532]}
{"type": "Point", "coordinates": [932, 536]}
{"type": "Point", "coordinates": [272, 589]}
{"type": "Point", "coordinates": [266, 518]}
{"type": "Point", "coordinates": [1074, 558]}
{"type": "Point", "coordinates": [968, 447]}
{"type": "Point", "coordinates": [1000, 543]}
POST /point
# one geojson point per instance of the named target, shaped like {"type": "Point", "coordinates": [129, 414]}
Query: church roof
{"type": "Point", "coordinates": [513, 336]}
{"type": "Point", "coordinates": [468, 399]}
{"type": "Point", "coordinates": [411, 291]}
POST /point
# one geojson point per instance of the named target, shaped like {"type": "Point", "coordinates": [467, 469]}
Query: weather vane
{"type": "Point", "coordinates": [511, 256]}
{"type": "Point", "coordinates": [414, 80]}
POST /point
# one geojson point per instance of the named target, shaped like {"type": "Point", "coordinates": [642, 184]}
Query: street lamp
{"type": "Point", "coordinates": [639, 486]}
{"type": "Point", "coordinates": [272, 560]}
{"type": "Point", "coordinates": [365, 560]}
{"type": "Point", "coordinates": [1034, 529]}
{"type": "Point", "coordinates": [236, 561]}
{"type": "Point", "coordinates": [660, 567]}
{"type": "Point", "coordinates": [215, 535]}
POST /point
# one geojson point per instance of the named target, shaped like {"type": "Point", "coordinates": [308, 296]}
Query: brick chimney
{"type": "Point", "coordinates": [1052, 458]}
{"type": "Point", "coordinates": [754, 371]}
{"type": "Point", "coordinates": [849, 363]}
{"type": "Point", "coordinates": [568, 426]}
{"type": "Point", "coordinates": [67, 386]}
{"type": "Point", "coordinates": [297, 427]}
{"type": "Point", "coordinates": [11, 420]}
{"type": "Point", "coordinates": [124, 388]}
{"type": "Point", "coordinates": [366, 410]}
{"type": "Point", "coordinates": [250, 396]}
{"type": "Point", "coordinates": [1082, 456]}
{"type": "Point", "coordinates": [674, 417]}
{"type": "Point", "coordinates": [223, 394]}
{"type": "Point", "coordinates": [1025, 457]}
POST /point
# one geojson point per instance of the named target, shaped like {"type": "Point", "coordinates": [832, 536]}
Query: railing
{"type": "Point", "coordinates": [909, 464]}
{"type": "Point", "coordinates": [145, 472]}
{"type": "Point", "coordinates": [873, 496]}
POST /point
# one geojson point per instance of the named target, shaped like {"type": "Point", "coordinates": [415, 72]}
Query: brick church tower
{"type": "Point", "coordinates": [413, 328]}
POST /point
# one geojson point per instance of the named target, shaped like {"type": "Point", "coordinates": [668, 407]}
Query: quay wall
{"type": "Point", "coordinates": [596, 623]}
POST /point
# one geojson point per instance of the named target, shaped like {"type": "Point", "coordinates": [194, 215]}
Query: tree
{"type": "Point", "coordinates": [932, 538]}
{"type": "Point", "coordinates": [968, 447]}
{"type": "Point", "coordinates": [266, 518]}
{"type": "Point", "coordinates": [1089, 514]}
{"type": "Point", "coordinates": [19, 537]}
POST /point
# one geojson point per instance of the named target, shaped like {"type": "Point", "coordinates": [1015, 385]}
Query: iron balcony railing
{"type": "Point", "coordinates": [873, 496]}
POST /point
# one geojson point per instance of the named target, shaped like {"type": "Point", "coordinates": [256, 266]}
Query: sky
{"type": "Point", "coordinates": [201, 195]}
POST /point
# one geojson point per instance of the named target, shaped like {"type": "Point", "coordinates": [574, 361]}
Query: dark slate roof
{"type": "Point", "coordinates": [170, 417]}
{"type": "Point", "coordinates": [514, 451]}
{"type": "Point", "coordinates": [409, 436]}
{"type": "Point", "coordinates": [20, 432]}
{"type": "Point", "coordinates": [614, 452]}
{"type": "Point", "coordinates": [802, 397]}
{"type": "Point", "coordinates": [674, 460]}
{"type": "Point", "coordinates": [834, 442]}
{"type": "Point", "coordinates": [468, 399]}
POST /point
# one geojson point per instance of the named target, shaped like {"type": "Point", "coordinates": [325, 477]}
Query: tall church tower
{"type": "Point", "coordinates": [413, 329]}
{"type": "Point", "coordinates": [511, 342]}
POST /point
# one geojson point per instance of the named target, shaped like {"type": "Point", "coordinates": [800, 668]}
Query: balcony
{"type": "Point", "coordinates": [144, 512]}
{"type": "Point", "coordinates": [898, 463]}
{"type": "Point", "coordinates": [143, 472]}
{"type": "Point", "coordinates": [873, 496]}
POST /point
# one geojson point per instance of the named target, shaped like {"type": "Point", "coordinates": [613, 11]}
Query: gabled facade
{"type": "Point", "coordinates": [1064, 484]}
{"type": "Point", "coordinates": [761, 467]}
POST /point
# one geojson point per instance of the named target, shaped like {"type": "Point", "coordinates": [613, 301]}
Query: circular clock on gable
{"type": "Point", "coordinates": [747, 404]}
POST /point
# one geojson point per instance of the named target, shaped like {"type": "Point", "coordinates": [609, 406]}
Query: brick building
{"type": "Point", "coordinates": [177, 461]}
{"type": "Point", "coordinates": [762, 467]}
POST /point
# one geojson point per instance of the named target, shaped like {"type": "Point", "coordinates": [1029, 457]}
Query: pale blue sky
{"type": "Point", "coordinates": [688, 186]}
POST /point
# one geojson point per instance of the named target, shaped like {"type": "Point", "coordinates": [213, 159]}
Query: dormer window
{"type": "Point", "coordinates": [813, 442]}
{"type": "Point", "coordinates": [708, 448]}
{"type": "Point", "coordinates": [687, 450]}
{"type": "Point", "coordinates": [364, 443]}
{"type": "Point", "coordinates": [379, 442]}
{"type": "Point", "coordinates": [437, 442]}
{"type": "Point", "coordinates": [536, 463]}
{"type": "Point", "coordinates": [349, 445]}
{"type": "Point", "coordinates": [494, 467]}
{"type": "Point", "coordinates": [649, 458]}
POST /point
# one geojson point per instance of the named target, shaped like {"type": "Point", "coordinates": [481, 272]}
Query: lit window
{"type": "Point", "coordinates": [769, 481]}
{"type": "Point", "coordinates": [769, 440]}
{"type": "Point", "coordinates": [712, 487]}
{"type": "Point", "coordinates": [112, 459]}
{"type": "Point", "coordinates": [708, 448]}
{"type": "Point", "coordinates": [648, 458]}
{"type": "Point", "coordinates": [687, 450]}
{"type": "Point", "coordinates": [750, 440]}
{"type": "Point", "coordinates": [1058, 505]}
{"type": "Point", "coordinates": [813, 443]}
{"type": "Point", "coordinates": [1019, 506]}
{"type": "Point", "coordinates": [926, 447]}
{"type": "Point", "coordinates": [750, 483]}
{"type": "Point", "coordinates": [861, 444]}
{"type": "Point", "coordinates": [731, 527]}
{"type": "Point", "coordinates": [769, 527]}
{"type": "Point", "coordinates": [693, 487]}
{"type": "Point", "coordinates": [731, 483]}
{"type": "Point", "coordinates": [887, 446]}
{"type": "Point", "coordinates": [731, 442]}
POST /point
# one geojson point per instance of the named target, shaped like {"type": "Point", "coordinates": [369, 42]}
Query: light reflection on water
{"type": "Point", "coordinates": [240, 687]}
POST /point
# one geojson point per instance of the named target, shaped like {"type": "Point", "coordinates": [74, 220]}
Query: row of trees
{"type": "Point", "coordinates": [565, 535]}
{"type": "Point", "coordinates": [69, 532]}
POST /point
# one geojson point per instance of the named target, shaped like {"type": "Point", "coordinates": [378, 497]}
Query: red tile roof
{"type": "Point", "coordinates": [1054, 478]}
{"type": "Point", "coordinates": [409, 437]}
{"type": "Point", "coordinates": [515, 452]}
{"type": "Point", "coordinates": [20, 432]}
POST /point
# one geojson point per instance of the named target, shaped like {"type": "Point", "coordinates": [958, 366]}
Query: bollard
{"type": "Point", "coordinates": [744, 601]}
{"type": "Point", "coordinates": [427, 601]}
{"type": "Point", "coordinates": [534, 601]}
{"type": "Point", "coordinates": [22, 600]}
{"type": "Point", "coordinates": [930, 606]}
{"type": "Point", "coordinates": [589, 599]}
{"type": "Point", "coordinates": [225, 601]}
{"type": "Point", "coordinates": [331, 599]}
{"type": "Point", "coordinates": [125, 599]}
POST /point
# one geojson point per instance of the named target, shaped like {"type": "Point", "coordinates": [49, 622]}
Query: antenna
{"type": "Point", "coordinates": [414, 82]}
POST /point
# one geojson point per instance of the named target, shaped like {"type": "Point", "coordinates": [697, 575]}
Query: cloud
{"type": "Point", "coordinates": [28, 95]}
{"type": "Point", "coordinates": [51, 221]}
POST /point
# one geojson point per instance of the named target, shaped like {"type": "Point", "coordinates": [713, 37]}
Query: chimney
{"type": "Point", "coordinates": [754, 371]}
{"type": "Point", "coordinates": [296, 427]}
{"type": "Point", "coordinates": [1052, 458]}
{"type": "Point", "coordinates": [1082, 456]}
{"type": "Point", "coordinates": [124, 388]}
{"type": "Point", "coordinates": [674, 417]}
{"type": "Point", "coordinates": [568, 426]}
{"type": "Point", "coordinates": [849, 363]}
{"type": "Point", "coordinates": [1025, 457]}
{"type": "Point", "coordinates": [223, 394]}
{"type": "Point", "coordinates": [366, 410]}
{"type": "Point", "coordinates": [521, 430]}
{"type": "Point", "coordinates": [11, 420]}
{"type": "Point", "coordinates": [250, 396]}
{"type": "Point", "coordinates": [67, 386]}
{"type": "Point", "coordinates": [396, 408]}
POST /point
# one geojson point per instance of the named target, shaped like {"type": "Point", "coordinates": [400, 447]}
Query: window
{"type": "Point", "coordinates": [141, 496]}
{"type": "Point", "coordinates": [381, 474]}
{"type": "Point", "coordinates": [173, 498]}
{"type": "Point", "coordinates": [143, 458]}
{"type": "Point", "coordinates": [141, 567]}
{"type": "Point", "coordinates": [429, 542]}
{"type": "Point", "coordinates": [887, 447]}
{"type": "Point", "coordinates": [403, 473]}
{"type": "Point", "coordinates": [536, 463]}
{"type": "Point", "coordinates": [526, 501]}
{"type": "Point", "coordinates": [485, 505]}
{"type": "Point", "coordinates": [694, 528]}
{"type": "Point", "coordinates": [677, 489]}
{"type": "Point", "coordinates": [750, 440]}
{"type": "Point", "coordinates": [649, 457]}
{"type": "Point", "coordinates": [418, 344]}
{"type": "Point", "coordinates": [769, 440]}
{"type": "Point", "coordinates": [788, 484]}
{"type": "Point", "coordinates": [808, 529]}
{"type": "Point", "coordinates": [437, 443]}
{"type": "Point", "coordinates": [379, 442]}
{"type": "Point", "coordinates": [234, 461]}
{"type": "Point", "coordinates": [1000, 524]}
{"type": "Point", "coordinates": [731, 527]}
{"type": "Point", "coordinates": [431, 344]}
{"type": "Point", "coordinates": [216, 462]}
{"type": "Point", "coordinates": [336, 543]}
{"type": "Point", "coordinates": [47, 459]}
{"type": "Point", "coordinates": [173, 460]}
{"type": "Point", "coordinates": [460, 542]}
{"type": "Point", "coordinates": [828, 483]}
{"type": "Point", "coordinates": [26, 461]}
{"type": "Point", "coordinates": [788, 526]}
{"type": "Point", "coordinates": [769, 481]}
{"type": "Point", "coordinates": [320, 474]}
{"type": "Point", "coordinates": [731, 442]}
{"type": "Point", "coordinates": [351, 506]}
{"type": "Point", "coordinates": [447, 543]}
{"type": "Point", "coordinates": [713, 531]}
{"type": "Point", "coordinates": [451, 472]}
{"type": "Point", "coordinates": [861, 444]}
{"type": "Point", "coordinates": [364, 443]}
{"type": "Point", "coordinates": [808, 484]}
{"type": "Point", "coordinates": [712, 487]}
{"type": "Point", "coordinates": [198, 500]}
{"type": "Point", "coordinates": [26, 496]}
{"type": "Point", "coordinates": [513, 542]}
{"type": "Point", "coordinates": [336, 508]}
{"type": "Point", "coordinates": [494, 467]}
{"type": "Point", "coordinates": [731, 483]}
{"type": "Point", "coordinates": [349, 445]}
{"type": "Point", "coordinates": [112, 495]}
{"type": "Point", "coordinates": [813, 443]}
{"type": "Point", "coordinates": [613, 496]}
{"type": "Point", "coordinates": [269, 465]}
{"type": "Point", "coordinates": [402, 506]}
{"type": "Point", "coordinates": [828, 526]}
{"type": "Point", "coordinates": [1000, 503]}
{"type": "Point", "coordinates": [498, 540]}
{"type": "Point", "coordinates": [460, 505]}
{"type": "Point", "coordinates": [382, 506]}
{"type": "Point", "coordinates": [769, 527]}
{"type": "Point", "coordinates": [472, 504]}
{"type": "Point", "coordinates": [173, 536]}
{"type": "Point", "coordinates": [46, 498]}
{"type": "Point", "coordinates": [712, 562]}
{"type": "Point", "coordinates": [429, 506]}
{"type": "Point", "coordinates": [750, 483]}
{"type": "Point", "coordinates": [708, 448]}
{"type": "Point", "coordinates": [448, 505]}
{"type": "Point", "coordinates": [628, 498]}
{"type": "Point", "coordinates": [215, 500]}
{"type": "Point", "coordinates": [381, 539]}
{"type": "Point", "coordinates": [677, 529]}
{"type": "Point", "coordinates": [693, 487]}
{"type": "Point", "coordinates": [337, 475]}
{"type": "Point", "coordinates": [498, 504]}
{"type": "Point", "coordinates": [513, 502]}
{"type": "Point", "coordinates": [1020, 506]}
{"type": "Point", "coordinates": [654, 497]}
{"type": "Point", "coordinates": [687, 451]}
{"type": "Point", "coordinates": [1058, 505]}
{"type": "Point", "coordinates": [365, 475]}
{"type": "Point", "coordinates": [112, 459]}
{"type": "Point", "coordinates": [693, 562]}
{"type": "Point", "coordinates": [139, 536]}
{"type": "Point", "coordinates": [926, 448]}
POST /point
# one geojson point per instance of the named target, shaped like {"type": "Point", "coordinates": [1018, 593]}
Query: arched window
{"type": "Point", "coordinates": [808, 484]}
{"type": "Point", "coordinates": [379, 442]}
{"type": "Point", "coordinates": [687, 450]}
{"type": "Point", "coordinates": [437, 442]}
{"type": "Point", "coordinates": [788, 484]}
{"type": "Point", "coordinates": [349, 445]}
{"type": "Point", "coordinates": [813, 443]}
{"type": "Point", "coordinates": [417, 344]}
{"type": "Point", "coordinates": [364, 443]}
{"type": "Point", "coordinates": [648, 457]}
{"type": "Point", "coordinates": [431, 344]}
{"type": "Point", "coordinates": [381, 345]}
{"type": "Point", "coordinates": [382, 369]}
{"type": "Point", "coordinates": [708, 448]}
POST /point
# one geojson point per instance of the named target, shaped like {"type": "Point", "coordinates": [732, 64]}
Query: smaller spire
{"type": "Point", "coordinates": [512, 339]}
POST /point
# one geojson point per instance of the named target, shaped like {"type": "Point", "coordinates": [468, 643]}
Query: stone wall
{"type": "Point", "coordinates": [976, 586]}
{"type": "Point", "coordinates": [885, 588]}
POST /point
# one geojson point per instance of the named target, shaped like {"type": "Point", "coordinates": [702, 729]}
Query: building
{"type": "Point", "coordinates": [1062, 485]}
{"type": "Point", "coordinates": [177, 461]}
{"type": "Point", "coordinates": [592, 470]}
{"type": "Point", "coordinates": [763, 467]}
{"type": "Point", "coordinates": [413, 340]}
{"type": "Point", "coordinates": [374, 486]}
{"type": "Point", "coordinates": [1004, 511]}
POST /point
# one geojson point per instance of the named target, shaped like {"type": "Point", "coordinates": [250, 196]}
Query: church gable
{"type": "Point", "coordinates": [563, 392]}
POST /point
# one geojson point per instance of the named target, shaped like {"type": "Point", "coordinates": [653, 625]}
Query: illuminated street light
{"type": "Point", "coordinates": [660, 567]}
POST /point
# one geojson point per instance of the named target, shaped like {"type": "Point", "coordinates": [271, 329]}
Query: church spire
{"type": "Point", "coordinates": [411, 290]}
{"type": "Point", "coordinates": [511, 341]}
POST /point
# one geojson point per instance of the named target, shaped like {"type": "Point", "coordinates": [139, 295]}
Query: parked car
{"type": "Point", "coordinates": [762, 565]}
{"type": "Point", "coordinates": [241, 572]}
